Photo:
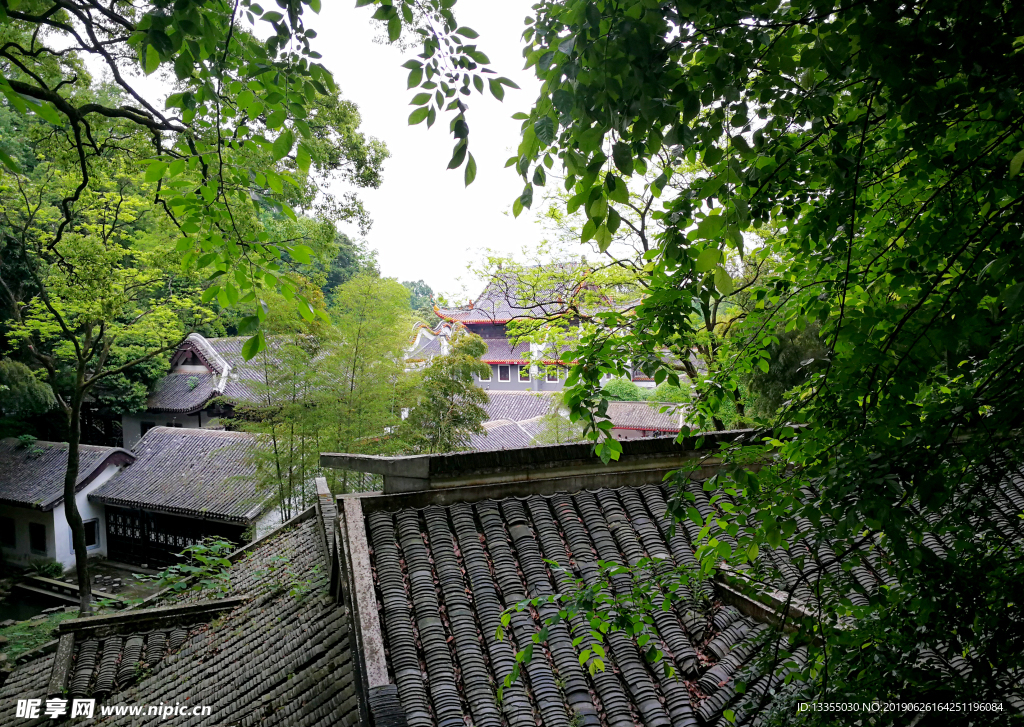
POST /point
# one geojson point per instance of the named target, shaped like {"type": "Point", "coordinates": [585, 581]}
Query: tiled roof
{"type": "Point", "coordinates": [509, 435]}
{"type": "Point", "coordinates": [283, 657]}
{"type": "Point", "coordinates": [467, 562]}
{"type": "Point", "coordinates": [427, 351]}
{"type": "Point", "coordinates": [517, 406]}
{"type": "Point", "coordinates": [643, 415]}
{"type": "Point", "coordinates": [33, 474]}
{"type": "Point", "coordinates": [197, 472]}
{"type": "Point", "coordinates": [231, 377]}
{"type": "Point", "coordinates": [500, 351]}
{"type": "Point", "coordinates": [183, 392]}
{"type": "Point", "coordinates": [505, 298]}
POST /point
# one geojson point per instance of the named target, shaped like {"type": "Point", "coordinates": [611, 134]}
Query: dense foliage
{"type": "Point", "coordinates": [881, 143]}
{"type": "Point", "coordinates": [448, 406]}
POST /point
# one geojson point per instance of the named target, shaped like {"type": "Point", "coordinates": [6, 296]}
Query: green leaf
{"type": "Point", "coordinates": [622, 155]}
{"type": "Point", "coordinates": [1016, 162]}
{"type": "Point", "coordinates": [617, 190]}
{"type": "Point", "coordinates": [497, 90]}
{"type": "Point", "coordinates": [1012, 296]}
{"type": "Point", "coordinates": [418, 115]}
{"type": "Point", "coordinates": [470, 170]}
{"type": "Point", "coordinates": [283, 144]}
{"type": "Point", "coordinates": [707, 259]}
{"type": "Point", "coordinates": [466, 32]}
{"type": "Point", "coordinates": [155, 171]}
{"type": "Point", "coordinates": [9, 162]}
{"type": "Point", "coordinates": [253, 346]}
{"type": "Point", "coordinates": [276, 118]}
{"type": "Point", "coordinates": [420, 99]}
{"type": "Point", "coordinates": [302, 253]}
{"type": "Point", "coordinates": [603, 236]}
{"type": "Point", "coordinates": [544, 127]}
{"type": "Point", "coordinates": [302, 160]}
{"type": "Point", "coordinates": [394, 27]}
{"type": "Point", "coordinates": [152, 60]}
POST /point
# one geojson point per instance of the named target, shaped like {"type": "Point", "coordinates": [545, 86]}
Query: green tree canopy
{"type": "Point", "coordinates": [883, 144]}
{"type": "Point", "coordinates": [449, 406]}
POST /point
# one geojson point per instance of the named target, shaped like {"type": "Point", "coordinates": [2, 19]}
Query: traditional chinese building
{"type": "Point", "coordinates": [33, 524]}
{"type": "Point", "coordinates": [515, 365]}
{"type": "Point", "coordinates": [207, 377]}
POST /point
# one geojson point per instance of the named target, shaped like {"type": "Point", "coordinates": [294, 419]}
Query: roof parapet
{"type": "Point", "coordinates": [468, 476]}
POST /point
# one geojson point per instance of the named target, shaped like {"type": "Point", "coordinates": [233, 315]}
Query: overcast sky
{"type": "Point", "coordinates": [426, 224]}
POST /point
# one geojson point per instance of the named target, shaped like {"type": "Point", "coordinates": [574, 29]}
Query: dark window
{"type": "Point", "coordinates": [552, 374]}
{"type": "Point", "coordinates": [503, 373]}
{"type": "Point", "coordinates": [7, 537]}
{"type": "Point", "coordinates": [487, 376]}
{"type": "Point", "coordinates": [145, 427]}
{"type": "Point", "coordinates": [92, 533]}
{"type": "Point", "coordinates": [524, 373]}
{"type": "Point", "coordinates": [37, 537]}
{"type": "Point", "coordinates": [175, 424]}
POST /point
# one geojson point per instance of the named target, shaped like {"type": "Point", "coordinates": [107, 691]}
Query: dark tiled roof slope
{"type": "Point", "coordinates": [197, 472]}
{"type": "Point", "coordinates": [504, 436]}
{"type": "Point", "coordinates": [446, 573]}
{"type": "Point", "coordinates": [282, 658]}
{"type": "Point", "coordinates": [183, 392]}
{"type": "Point", "coordinates": [642, 415]}
{"type": "Point", "coordinates": [501, 351]}
{"type": "Point", "coordinates": [517, 406]}
{"type": "Point", "coordinates": [190, 392]}
{"type": "Point", "coordinates": [33, 474]}
{"type": "Point", "coordinates": [427, 351]}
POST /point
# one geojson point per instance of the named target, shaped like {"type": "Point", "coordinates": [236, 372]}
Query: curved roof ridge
{"type": "Point", "coordinates": [215, 359]}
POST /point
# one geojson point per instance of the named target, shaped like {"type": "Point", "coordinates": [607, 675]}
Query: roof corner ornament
{"type": "Point", "coordinates": [216, 360]}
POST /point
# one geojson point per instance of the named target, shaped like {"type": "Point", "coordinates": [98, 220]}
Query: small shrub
{"type": "Point", "coordinates": [671, 394]}
{"type": "Point", "coordinates": [46, 567]}
{"type": "Point", "coordinates": [623, 390]}
{"type": "Point", "coordinates": [205, 568]}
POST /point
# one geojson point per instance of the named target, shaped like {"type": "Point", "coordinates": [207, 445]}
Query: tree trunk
{"type": "Point", "coordinates": [71, 505]}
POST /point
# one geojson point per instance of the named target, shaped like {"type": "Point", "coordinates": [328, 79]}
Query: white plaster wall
{"type": "Point", "coordinates": [22, 516]}
{"type": "Point", "coordinates": [131, 424]}
{"type": "Point", "coordinates": [89, 511]}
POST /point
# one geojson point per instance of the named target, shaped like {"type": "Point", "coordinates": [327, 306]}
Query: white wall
{"type": "Point", "coordinates": [22, 516]}
{"type": "Point", "coordinates": [58, 534]}
{"type": "Point", "coordinates": [131, 424]}
{"type": "Point", "coordinates": [89, 511]}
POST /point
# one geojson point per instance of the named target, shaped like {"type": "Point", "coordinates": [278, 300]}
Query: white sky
{"type": "Point", "coordinates": [426, 224]}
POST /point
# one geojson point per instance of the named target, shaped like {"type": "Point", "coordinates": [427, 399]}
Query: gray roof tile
{"type": "Point", "coordinates": [282, 658]}
{"type": "Point", "coordinates": [198, 472]}
{"type": "Point", "coordinates": [33, 474]}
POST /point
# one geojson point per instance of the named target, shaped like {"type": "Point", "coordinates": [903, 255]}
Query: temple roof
{"type": "Point", "coordinates": [507, 296]}
{"type": "Point", "coordinates": [193, 472]}
{"type": "Point", "coordinates": [32, 474]}
{"type": "Point", "coordinates": [229, 375]}
{"type": "Point", "coordinates": [460, 538]}
{"type": "Point", "coordinates": [514, 418]}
